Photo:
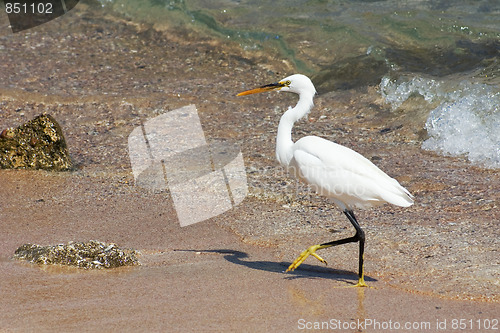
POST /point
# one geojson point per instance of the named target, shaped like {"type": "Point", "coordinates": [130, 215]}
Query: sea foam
{"type": "Point", "coordinates": [465, 122]}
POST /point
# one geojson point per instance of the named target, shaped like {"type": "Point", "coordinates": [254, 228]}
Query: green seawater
{"type": "Point", "coordinates": [445, 51]}
{"type": "Point", "coordinates": [436, 37]}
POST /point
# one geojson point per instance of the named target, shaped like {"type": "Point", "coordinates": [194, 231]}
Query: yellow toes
{"type": "Point", "coordinates": [319, 258]}
{"type": "Point", "coordinates": [310, 251]}
{"type": "Point", "coordinates": [361, 283]}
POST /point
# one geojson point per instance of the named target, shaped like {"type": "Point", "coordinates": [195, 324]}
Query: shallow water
{"type": "Point", "coordinates": [441, 246]}
{"type": "Point", "coordinates": [350, 44]}
{"type": "Point", "coordinates": [315, 34]}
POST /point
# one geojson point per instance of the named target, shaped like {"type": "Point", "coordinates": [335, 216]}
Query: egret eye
{"type": "Point", "coordinates": [287, 82]}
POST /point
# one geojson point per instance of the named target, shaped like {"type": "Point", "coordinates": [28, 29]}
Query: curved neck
{"type": "Point", "coordinates": [284, 142]}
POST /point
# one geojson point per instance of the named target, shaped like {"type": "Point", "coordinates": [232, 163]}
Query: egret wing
{"type": "Point", "coordinates": [344, 175]}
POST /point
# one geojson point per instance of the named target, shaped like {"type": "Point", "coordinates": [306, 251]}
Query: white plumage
{"type": "Point", "coordinates": [334, 171]}
{"type": "Point", "coordinates": [348, 178]}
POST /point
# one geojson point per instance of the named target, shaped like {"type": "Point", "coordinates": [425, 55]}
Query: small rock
{"type": "Point", "coordinates": [90, 255]}
{"type": "Point", "coordinates": [37, 144]}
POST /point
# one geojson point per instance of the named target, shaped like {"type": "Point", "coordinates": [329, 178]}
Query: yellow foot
{"type": "Point", "coordinates": [310, 251]}
{"type": "Point", "coordinates": [361, 283]}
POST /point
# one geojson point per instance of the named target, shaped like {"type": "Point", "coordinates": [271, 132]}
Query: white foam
{"type": "Point", "coordinates": [466, 122]}
{"type": "Point", "coordinates": [396, 92]}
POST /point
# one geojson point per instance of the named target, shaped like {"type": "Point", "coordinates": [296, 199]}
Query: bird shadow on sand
{"type": "Point", "coordinates": [305, 271]}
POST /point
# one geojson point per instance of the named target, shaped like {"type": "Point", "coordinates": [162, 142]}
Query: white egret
{"type": "Point", "coordinates": [335, 171]}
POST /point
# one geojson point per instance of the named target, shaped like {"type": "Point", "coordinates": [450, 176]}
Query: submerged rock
{"type": "Point", "coordinates": [350, 73]}
{"type": "Point", "coordinates": [37, 144]}
{"type": "Point", "coordinates": [92, 254]}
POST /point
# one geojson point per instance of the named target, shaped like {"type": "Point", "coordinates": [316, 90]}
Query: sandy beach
{"type": "Point", "coordinates": [431, 267]}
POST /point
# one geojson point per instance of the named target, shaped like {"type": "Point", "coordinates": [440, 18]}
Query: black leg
{"type": "Point", "coordinates": [358, 237]}
{"type": "Point", "coordinates": [361, 237]}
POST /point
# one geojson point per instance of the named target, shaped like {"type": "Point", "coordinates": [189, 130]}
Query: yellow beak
{"type": "Point", "coordinates": [267, 87]}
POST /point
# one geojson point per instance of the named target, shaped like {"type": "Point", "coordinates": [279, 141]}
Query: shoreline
{"type": "Point", "coordinates": [426, 261]}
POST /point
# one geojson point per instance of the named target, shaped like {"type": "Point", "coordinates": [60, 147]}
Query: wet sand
{"type": "Point", "coordinates": [100, 77]}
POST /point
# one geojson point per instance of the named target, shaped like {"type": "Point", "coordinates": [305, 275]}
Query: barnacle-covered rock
{"type": "Point", "coordinates": [92, 254]}
{"type": "Point", "coordinates": [37, 144]}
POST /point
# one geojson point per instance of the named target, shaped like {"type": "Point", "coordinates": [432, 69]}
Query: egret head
{"type": "Point", "coordinates": [297, 83]}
